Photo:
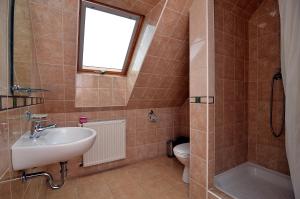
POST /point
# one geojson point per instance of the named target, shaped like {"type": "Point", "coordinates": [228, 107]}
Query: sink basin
{"type": "Point", "coordinates": [54, 145]}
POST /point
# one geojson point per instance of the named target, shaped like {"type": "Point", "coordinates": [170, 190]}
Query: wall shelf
{"type": "Point", "coordinates": [19, 89]}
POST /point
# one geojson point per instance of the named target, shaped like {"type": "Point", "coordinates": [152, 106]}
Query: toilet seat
{"type": "Point", "coordinates": [182, 150]}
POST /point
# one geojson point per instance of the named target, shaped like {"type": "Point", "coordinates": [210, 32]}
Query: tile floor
{"type": "Point", "coordinates": [158, 178]}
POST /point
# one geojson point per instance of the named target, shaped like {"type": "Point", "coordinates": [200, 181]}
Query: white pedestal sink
{"type": "Point", "coordinates": [54, 145]}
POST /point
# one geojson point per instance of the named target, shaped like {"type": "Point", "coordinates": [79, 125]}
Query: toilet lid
{"type": "Point", "coordinates": [182, 149]}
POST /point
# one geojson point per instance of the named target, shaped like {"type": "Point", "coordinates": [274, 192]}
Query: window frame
{"type": "Point", "coordinates": [115, 11]}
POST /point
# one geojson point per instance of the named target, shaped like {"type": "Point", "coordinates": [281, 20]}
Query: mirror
{"type": "Point", "coordinates": [4, 43]}
{"type": "Point", "coordinates": [23, 71]}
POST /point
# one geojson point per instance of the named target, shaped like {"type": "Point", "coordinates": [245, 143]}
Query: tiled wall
{"type": "Point", "coordinates": [144, 139]}
{"type": "Point", "coordinates": [247, 56]}
{"type": "Point", "coordinates": [184, 120]}
{"type": "Point", "coordinates": [12, 126]}
{"type": "Point", "coordinates": [163, 77]}
{"type": "Point", "coordinates": [58, 74]}
{"type": "Point", "coordinates": [100, 91]}
{"type": "Point", "coordinates": [54, 31]}
{"type": "Point", "coordinates": [264, 55]}
{"type": "Point", "coordinates": [231, 44]}
{"type": "Point", "coordinates": [54, 26]}
{"type": "Point", "coordinates": [141, 6]}
{"type": "Point", "coordinates": [118, 92]}
{"type": "Point", "coordinates": [201, 84]}
{"type": "Point", "coordinates": [56, 59]}
{"type": "Point", "coordinates": [157, 77]}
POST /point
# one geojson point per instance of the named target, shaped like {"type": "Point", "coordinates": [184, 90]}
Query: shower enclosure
{"type": "Point", "coordinates": [250, 137]}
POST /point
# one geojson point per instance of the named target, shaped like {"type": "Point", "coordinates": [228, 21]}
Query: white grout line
{"type": "Point", "coordinates": [2, 176]}
{"type": "Point", "coordinates": [207, 105]}
{"type": "Point", "coordinates": [215, 195]}
{"type": "Point", "coordinates": [209, 4]}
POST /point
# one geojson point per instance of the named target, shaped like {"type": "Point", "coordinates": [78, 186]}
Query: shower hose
{"type": "Point", "coordinates": [276, 77]}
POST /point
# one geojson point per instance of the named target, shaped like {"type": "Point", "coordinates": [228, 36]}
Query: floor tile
{"type": "Point", "coordinates": [158, 178]}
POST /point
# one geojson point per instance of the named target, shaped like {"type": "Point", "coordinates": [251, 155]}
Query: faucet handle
{"type": "Point", "coordinates": [38, 123]}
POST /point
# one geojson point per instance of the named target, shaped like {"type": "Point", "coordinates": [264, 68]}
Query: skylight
{"type": "Point", "coordinates": [107, 38]}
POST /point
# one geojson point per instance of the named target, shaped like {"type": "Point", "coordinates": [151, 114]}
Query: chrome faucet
{"type": "Point", "coordinates": [36, 124]}
{"type": "Point", "coordinates": [37, 128]}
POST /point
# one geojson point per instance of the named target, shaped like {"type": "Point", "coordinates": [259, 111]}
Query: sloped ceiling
{"type": "Point", "coordinates": [138, 6]}
{"type": "Point", "coordinates": [113, 91]}
{"type": "Point", "coordinates": [158, 75]}
{"type": "Point", "coordinates": [163, 79]}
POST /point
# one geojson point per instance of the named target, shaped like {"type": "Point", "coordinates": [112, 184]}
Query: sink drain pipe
{"type": "Point", "coordinates": [63, 173]}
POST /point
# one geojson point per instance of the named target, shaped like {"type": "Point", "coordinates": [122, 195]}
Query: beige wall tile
{"type": "Point", "coordinates": [197, 21]}
{"type": "Point", "coordinates": [197, 191]}
{"type": "Point", "coordinates": [198, 171]}
{"type": "Point", "coordinates": [118, 97]}
{"type": "Point", "coordinates": [49, 51]}
{"type": "Point", "coordinates": [4, 147]}
{"type": "Point", "coordinates": [86, 81]}
{"type": "Point", "coordinates": [262, 66]}
{"type": "Point", "coordinates": [87, 97]}
{"type": "Point", "coordinates": [105, 97]}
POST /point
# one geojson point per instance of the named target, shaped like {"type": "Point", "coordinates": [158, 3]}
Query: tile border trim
{"type": "Point", "coordinates": [202, 99]}
{"type": "Point", "coordinates": [12, 102]}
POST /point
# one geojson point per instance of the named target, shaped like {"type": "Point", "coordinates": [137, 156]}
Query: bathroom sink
{"type": "Point", "coordinates": [53, 145]}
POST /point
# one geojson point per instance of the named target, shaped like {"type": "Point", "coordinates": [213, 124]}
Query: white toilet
{"type": "Point", "coordinates": [182, 153]}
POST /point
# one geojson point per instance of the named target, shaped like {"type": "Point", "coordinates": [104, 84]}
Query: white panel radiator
{"type": "Point", "coordinates": [110, 143]}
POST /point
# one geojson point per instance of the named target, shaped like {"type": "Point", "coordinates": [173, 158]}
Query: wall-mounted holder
{"type": "Point", "coordinates": [202, 99]}
{"type": "Point", "coordinates": [19, 89]}
{"type": "Point", "coordinates": [153, 117]}
{"type": "Point", "coordinates": [11, 102]}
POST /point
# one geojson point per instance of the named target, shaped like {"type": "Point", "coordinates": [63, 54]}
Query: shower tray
{"type": "Point", "coordinates": [249, 181]}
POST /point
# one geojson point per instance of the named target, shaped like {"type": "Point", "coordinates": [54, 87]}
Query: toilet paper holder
{"type": "Point", "coordinates": [152, 117]}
